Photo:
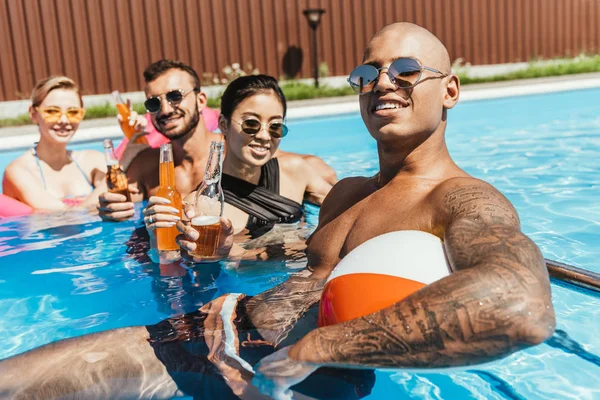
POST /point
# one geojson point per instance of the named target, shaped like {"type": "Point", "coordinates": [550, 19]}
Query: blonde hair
{"type": "Point", "coordinates": [45, 86]}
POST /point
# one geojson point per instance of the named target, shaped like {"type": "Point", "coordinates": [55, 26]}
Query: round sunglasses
{"type": "Point", "coordinates": [252, 126]}
{"type": "Point", "coordinates": [173, 97]}
{"type": "Point", "coordinates": [53, 114]}
{"type": "Point", "coordinates": [404, 72]}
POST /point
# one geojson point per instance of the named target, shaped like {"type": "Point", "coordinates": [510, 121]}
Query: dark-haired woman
{"type": "Point", "coordinates": [260, 189]}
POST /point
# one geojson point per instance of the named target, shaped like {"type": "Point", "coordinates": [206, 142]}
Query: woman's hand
{"type": "Point", "coordinates": [158, 214]}
{"type": "Point", "coordinates": [187, 240]}
{"type": "Point", "coordinates": [114, 207]}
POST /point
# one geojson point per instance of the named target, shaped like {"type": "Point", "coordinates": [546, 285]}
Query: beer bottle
{"type": "Point", "coordinates": [165, 237]}
{"type": "Point", "coordinates": [209, 204]}
{"type": "Point", "coordinates": [116, 180]}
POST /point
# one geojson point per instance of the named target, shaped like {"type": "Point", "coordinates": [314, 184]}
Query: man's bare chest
{"type": "Point", "coordinates": [370, 218]}
{"type": "Point", "coordinates": [186, 181]}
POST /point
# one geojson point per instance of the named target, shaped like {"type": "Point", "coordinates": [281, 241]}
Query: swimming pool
{"type": "Point", "coordinates": [67, 275]}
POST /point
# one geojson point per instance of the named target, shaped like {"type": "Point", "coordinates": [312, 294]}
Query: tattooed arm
{"type": "Point", "coordinates": [275, 311]}
{"type": "Point", "coordinates": [497, 300]}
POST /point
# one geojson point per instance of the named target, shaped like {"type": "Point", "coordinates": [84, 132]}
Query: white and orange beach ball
{"type": "Point", "coordinates": [380, 272]}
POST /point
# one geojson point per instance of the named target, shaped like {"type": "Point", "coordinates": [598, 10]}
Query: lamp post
{"type": "Point", "coordinates": [313, 16]}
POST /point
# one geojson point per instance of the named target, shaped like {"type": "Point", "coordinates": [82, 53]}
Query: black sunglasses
{"type": "Point", "coordinates": [252, 126]}
{"type": "Point", "coordinates": [174, 97]}
{"type": "Point", "coordinates": [404, 72]}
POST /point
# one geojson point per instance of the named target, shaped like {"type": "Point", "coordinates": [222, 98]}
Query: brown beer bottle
{"type": "Point", "coordinates": [116, 180]}
{"type": "Point", "coordinates": [209, 204]}
{"type": "Point", "coordinates": [165, 237]}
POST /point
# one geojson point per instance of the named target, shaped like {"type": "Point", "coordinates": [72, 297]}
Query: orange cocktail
{"type": "Point", "coordinates": [125, 113]}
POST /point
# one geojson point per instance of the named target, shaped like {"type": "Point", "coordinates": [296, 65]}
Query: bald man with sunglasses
{"type": "Point", "coordinates": [496, 300]}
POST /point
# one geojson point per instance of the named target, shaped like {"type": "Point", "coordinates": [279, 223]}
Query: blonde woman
{"type": "Point", "coordinates": [48, 176]}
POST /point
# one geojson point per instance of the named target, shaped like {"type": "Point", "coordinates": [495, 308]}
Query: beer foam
{"type": "Point", "coordinates": [205, 220]}
{"type": "Point", "coordinates": [208, 206]}
{"type": "Point", "coordinates": [110, 163]}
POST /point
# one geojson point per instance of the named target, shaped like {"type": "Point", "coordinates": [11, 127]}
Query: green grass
{"type": "Point", "coordinates": [539, 69]}
{"type": "Point", "coordinates": [301, 91]}
{"type": "Point", "coordinates": [92, 112]}
{"type": "Point", "coordinates": [214, 102]}
{"type": "Point", "coordinates": [18, 121]}
{"type": "Point", "coordinates": [109, 110]}
{"type": "Point", "coordinates": [292, 91]}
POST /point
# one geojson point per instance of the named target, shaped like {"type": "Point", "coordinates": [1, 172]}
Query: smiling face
{"type": "Point", "coordinates": [176, 120]}
{"type": "Point", "coordinates": [254, 150]}
{"type": "Point", "coordinates": [63, 130]}
{"type": "Point", "coordinates": [391, 113]}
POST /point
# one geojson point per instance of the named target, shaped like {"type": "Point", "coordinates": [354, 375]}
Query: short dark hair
{"type": "Point", "coordinates": [159, 67]}
{"type": "Point", "coordinates": [247, 86]}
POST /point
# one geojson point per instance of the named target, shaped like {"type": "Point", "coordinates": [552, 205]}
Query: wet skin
{"type": "Point", "coordinates": [183, 124]}
{"type": "Point", "coordinates": [22, 177]}
{"type": "Point", "coordinates": [496, 301]}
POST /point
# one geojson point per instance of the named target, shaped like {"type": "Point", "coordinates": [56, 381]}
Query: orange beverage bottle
{"type": "Point", "coordinates": [125, 113]}
{"type": "Point", "coordinates": [165, 237]}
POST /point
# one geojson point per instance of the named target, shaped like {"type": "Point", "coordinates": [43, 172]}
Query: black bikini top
{"type": "Point", "coordinates": [261, 202]}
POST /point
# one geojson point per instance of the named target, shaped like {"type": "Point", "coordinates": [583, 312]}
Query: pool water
{"type": "Point", "coordinates": [69, 274]}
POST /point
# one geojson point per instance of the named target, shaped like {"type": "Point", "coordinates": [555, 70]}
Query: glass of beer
{"type": "Point", "coordinates": [209, 233]}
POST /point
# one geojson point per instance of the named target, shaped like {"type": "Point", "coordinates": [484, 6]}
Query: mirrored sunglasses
{"type": "Point", "coordinates": [404, 72]}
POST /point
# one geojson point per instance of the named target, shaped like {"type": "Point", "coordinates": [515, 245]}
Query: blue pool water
{"type": "Point", "coordinates": [69, 274]}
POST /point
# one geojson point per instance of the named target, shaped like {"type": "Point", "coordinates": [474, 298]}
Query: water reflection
{"type": "Point", "coordinates": [192, 348]}
{"type": "Point", "coordinates": [177, 289]}
{"type": "Point", "coordinates": [39, 234]}
{"type": "Point", "coordinates": [180, 287]}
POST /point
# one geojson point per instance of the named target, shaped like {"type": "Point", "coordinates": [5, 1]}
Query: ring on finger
{"type": "Point", "coordinates": [150, 220]}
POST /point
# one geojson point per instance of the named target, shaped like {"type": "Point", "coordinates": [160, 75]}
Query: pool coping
{"type": "Point", "coordinates": [24, 137]}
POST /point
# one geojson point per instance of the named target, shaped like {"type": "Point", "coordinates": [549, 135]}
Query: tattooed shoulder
{"type": "Point", "coordinates": [474, 199]}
